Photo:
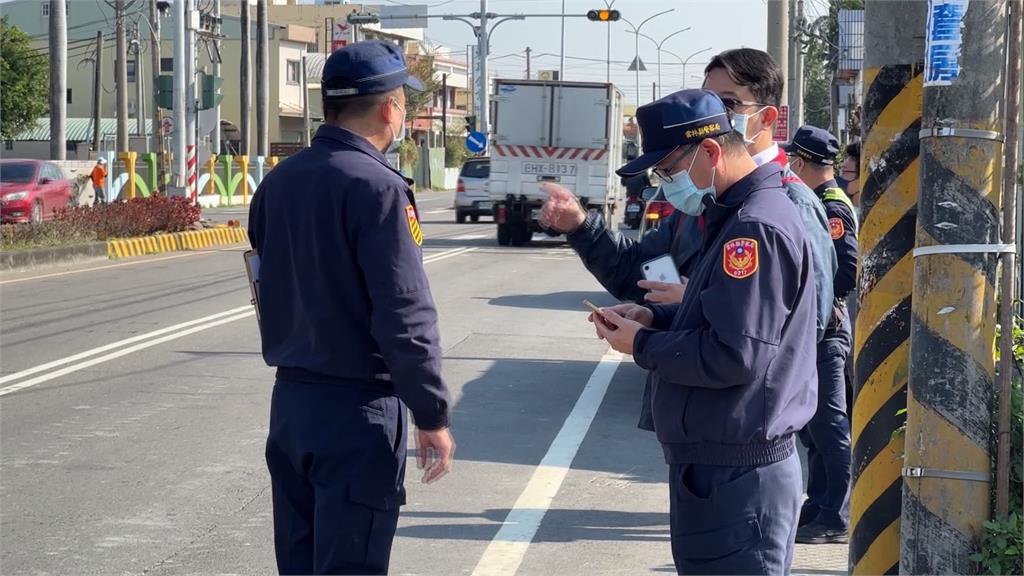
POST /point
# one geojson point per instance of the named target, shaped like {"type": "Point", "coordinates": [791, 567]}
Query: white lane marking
{"type": "Point", "coordinates": [121, 265]}
{"type": "Point", "coordinates": [161, 336]}
{"type": "Point", "coordinates": [113, 355]}
{"type": "Point", "coordinates": [470, 237]}
{"type": "Point", "coordinates": [448, 254]}
{"type": "Point", "coordinates": [439, 211]}
{"type": "Point", "coordinates": [508, 548]}
{"type": "Point", "coordinates": [118, 344]}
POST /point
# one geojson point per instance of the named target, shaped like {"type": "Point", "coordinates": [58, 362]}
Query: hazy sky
{"type": "Point", "coordinates": [718, 25]}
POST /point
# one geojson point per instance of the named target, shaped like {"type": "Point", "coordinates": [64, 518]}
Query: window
{"type": "Point", "coordinates": [294, 73]}
{"type": "Point", "coordinates": [131, 70]}
{"type": "Point", "coordinates": [167, 65]}
{"type": "Point", "coordinates": [69, 95]}
{"type": "Point", "coordinates": [46, 9]}
{"type": "Point", "coordinates": [9, 145]}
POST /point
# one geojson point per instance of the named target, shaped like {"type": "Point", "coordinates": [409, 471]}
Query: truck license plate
{"type": "Point", "coordinates": [549, 169]}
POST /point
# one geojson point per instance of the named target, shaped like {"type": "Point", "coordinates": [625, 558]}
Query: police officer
{"type": "Point", "coordinates": [824, 517]}
{"type": "Point", "coordinates": [348, 321]}
{"type": "Point", "coordinates": [733, 364]}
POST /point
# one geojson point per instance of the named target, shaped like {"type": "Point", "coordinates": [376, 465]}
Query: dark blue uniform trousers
{"type": "Point", "coordinates": [827, 438]}
{"type": "Point", "coordinates": [336, 454]}
{"type": "Point", "coordinates": [734, 520]}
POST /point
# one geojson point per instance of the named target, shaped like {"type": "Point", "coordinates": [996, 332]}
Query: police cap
{"type": "Point", "coordinates": [681, 118]}
{"type": "Point", "coordinates": [363, 68]}
{"type": "Point", "coordinates": [814, 145]}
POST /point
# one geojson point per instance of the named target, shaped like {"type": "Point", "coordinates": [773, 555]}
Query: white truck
{"type": "Point", "coordinates": [569, 133]}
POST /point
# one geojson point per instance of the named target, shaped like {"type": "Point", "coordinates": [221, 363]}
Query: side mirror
{"type": "Point", "coordinates": [44, 181]}
{"type": "Point", "coordinates": [650, 193]}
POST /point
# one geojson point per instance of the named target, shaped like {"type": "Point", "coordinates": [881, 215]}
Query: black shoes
{"type": "Point", "coordinates": [818, 533]}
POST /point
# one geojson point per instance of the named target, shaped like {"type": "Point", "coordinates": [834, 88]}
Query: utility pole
{"type": "Point", "coordinates": [58, 79]}
{"type": "Point", "coordinates": [97, 94]}
{"type": "Point", "coordinates": [952, 369]}
{"type": "Point", "coordinates": [215, 137]}
{"type": "Point", "coordinates": [890, 182]}
{"type": "Point", "coordinates": [181, 68]}
{"type": "Point", "coordinates": [778, 39]}
{"type": "Point", "coordinates": [121, 76]}
{"type": "Point", "coordinates": [154, 53]}
{"type": "Point", "coordinates": [484, 114]}
{"type": "Point", "coordinates": [1010, 207]}
{"type": "Point", "coordinates": [191, 110]}
{"type": "Point", "coordinates": [140, 108]}
{"type": "Point", "coordinates": [262, 79]}
{"type": "Point", "coordinates": [444, 112]}
{"type": "Point", "coordinates": [796, 94]}
{"type": "Point", "coordinates": [561, 53]}
{"type": "Point", "coordinates": [528, 74]}
{"type": "Point", "coordinates": [307, 125]}
{"type": "Point", "coordinates": [245, 74]}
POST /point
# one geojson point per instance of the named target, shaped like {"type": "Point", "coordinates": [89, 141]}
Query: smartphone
{"type": "Point", "coordinates": [598, 313]}
{"type": "Point", "coordinates": [661, 269]}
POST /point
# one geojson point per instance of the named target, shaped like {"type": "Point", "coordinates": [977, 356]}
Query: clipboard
{"type": "Point", "coordinates": [252, 270]}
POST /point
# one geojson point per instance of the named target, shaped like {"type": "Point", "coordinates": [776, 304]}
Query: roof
{"type": "Point", "coordinates": [315, 66]}
{"type": "Point", "coordinates": [78, 129]}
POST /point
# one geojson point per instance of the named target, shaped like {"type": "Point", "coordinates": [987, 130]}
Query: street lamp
{"type": "Point", "coordinates": [659, 45]}
{"type": "Point", "coordinates": [687, 61]}
{"type": "Point", "coordinates": [636, 31]}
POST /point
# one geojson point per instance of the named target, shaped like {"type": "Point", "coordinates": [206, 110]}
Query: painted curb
{"type": "Point", "coordinates": [25, 259]}
{"type": "Point", "coordinates": [175, 242]}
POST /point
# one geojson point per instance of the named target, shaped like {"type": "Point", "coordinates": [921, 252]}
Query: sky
{"type": "Point", "coordinates": [718, 25]}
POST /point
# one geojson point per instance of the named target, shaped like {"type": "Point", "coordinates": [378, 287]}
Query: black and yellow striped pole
{"type": "Point", "coordinates": [947, 463]}
{"type": "Point", "coordinates": [892, 120]}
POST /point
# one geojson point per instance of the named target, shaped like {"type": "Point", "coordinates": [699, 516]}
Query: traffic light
{"type": "Point", "coordinates": [470, 123]}
{"type": "Point", "coordinates": [603, 15]}
{"type": "Point", "coordinates": [165, 91]}
{"type": "Point", "coordinates": [211, 96]}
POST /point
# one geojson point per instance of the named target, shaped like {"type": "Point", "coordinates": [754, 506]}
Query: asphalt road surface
{"type": "Point", "coordinates": [134, 407]}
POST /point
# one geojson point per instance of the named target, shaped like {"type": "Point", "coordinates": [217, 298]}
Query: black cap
{"type": "Point", "coordinates": [814, 145]}
{"type": "Point", "coordinates": [678, 119]}
{"type": "Point", "coordinates": [370, 67]}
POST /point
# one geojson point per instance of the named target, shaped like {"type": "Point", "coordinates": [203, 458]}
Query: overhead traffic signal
{"type": "Point", "coordinates": [210, 96]}
{"type": "Point", "coordinates": [603, 15]}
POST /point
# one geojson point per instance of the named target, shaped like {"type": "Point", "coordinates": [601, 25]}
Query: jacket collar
{"type": "Point", "coordinates": [820, 190]}
{"type": "Point", "coordinates": [332, 136]}
{"type": "Point", "coordinates": [718, 210]}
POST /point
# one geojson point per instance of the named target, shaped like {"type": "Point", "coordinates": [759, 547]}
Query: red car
{"type": "Point", "coordinates": [31, 190]}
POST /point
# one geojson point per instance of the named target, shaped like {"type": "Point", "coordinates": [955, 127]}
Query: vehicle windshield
{"type": "Point", "coordinates": [476, 169]}
{"type": "Point", "coordinates": [17, 172]}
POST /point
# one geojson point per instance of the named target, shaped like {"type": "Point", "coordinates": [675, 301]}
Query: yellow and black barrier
{"type": "Point", "coordinates": [892, 121]}
{"type": "Point", "coordinates": [175, 242]}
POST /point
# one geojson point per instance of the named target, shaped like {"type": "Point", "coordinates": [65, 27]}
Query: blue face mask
{"type": "Point", "coordinates": [740, 122]}
{"type": "Point", "coordinates": [684, 195]}
{"type": "Point", "coordinates": [842, 182]}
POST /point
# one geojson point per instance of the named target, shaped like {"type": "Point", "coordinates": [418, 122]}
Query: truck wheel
{"type": "Point", "coordinates": [460, 217]}
{"type": "Point", "coordinates": [474, 218]}
{"type": "Point", "coordinates": [504, 235]}
{"type": "Point", "coordinates": [521, 234]}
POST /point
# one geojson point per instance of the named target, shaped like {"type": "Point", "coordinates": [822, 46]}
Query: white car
{"type": "Point", "coordinates": [472, 199]}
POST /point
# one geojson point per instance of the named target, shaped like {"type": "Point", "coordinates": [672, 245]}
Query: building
{"type": "Point", "coordinates": [848, 90]}
{"type": "Point", "coordinates": [287, 45]}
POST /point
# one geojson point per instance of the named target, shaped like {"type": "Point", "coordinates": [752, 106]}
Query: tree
{"type": "Point", "coordinates": [820, 43]}
{"type": "Point", "coordinates": [421, 67]}
{"type": "Point", "coordinates": [24, 82]}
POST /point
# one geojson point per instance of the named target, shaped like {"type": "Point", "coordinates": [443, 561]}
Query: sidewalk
{"type": "Point", "coordinates": [820, 559]}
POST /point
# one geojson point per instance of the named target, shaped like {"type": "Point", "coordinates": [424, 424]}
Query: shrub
{"type": "Point", "coordinates": [138, 217]}
{"type": "Point", "coordinates": [43, 235]}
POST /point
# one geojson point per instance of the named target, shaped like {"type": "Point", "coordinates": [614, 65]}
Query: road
{"type": "Point", "coordinates": [134, 407]}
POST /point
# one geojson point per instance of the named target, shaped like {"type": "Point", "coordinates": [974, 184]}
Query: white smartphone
{"type": "Point", "coordinates": [661, 269]}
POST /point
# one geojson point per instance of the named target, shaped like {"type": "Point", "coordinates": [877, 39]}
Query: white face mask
{"type": "Point", "coordinates": [396, 139]}
{"type": "Point", "coordinates": [740, 124]}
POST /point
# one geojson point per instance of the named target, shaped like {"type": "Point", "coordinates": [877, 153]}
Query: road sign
{"type": "Point", "coordinates": [637, 64]}
{"type": "Point", "coordinates": [168, 125]}
{"type": "Point", "coordinates": [405, 16]}
{"type": "Point", "coordinates": [476, 142]}
{"type": "Point", "coordinates": [342, 35]}
{"type": "Point", "coordinates": [782, 125]}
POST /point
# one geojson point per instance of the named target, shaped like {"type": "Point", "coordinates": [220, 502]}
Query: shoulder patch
{"type": "Point", "coordinates": [739, 258]}
{"type": "Point", "coordinates": [837, 228]}
{"type": "Point", "coordinates": [414, 225]}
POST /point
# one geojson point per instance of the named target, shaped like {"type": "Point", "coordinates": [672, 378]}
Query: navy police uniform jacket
{"type": "Point", "coordinates": [734, 364]}
{"type": "Point", "coordinates": [343, 294]}
{"type": "Point", "coordinates": [615, 260]}
{"type": "Point", "coordinates": [843, 225]}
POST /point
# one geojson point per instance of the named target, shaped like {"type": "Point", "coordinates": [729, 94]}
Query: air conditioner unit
{"type": "Point", "coordinates": [548, 75]}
